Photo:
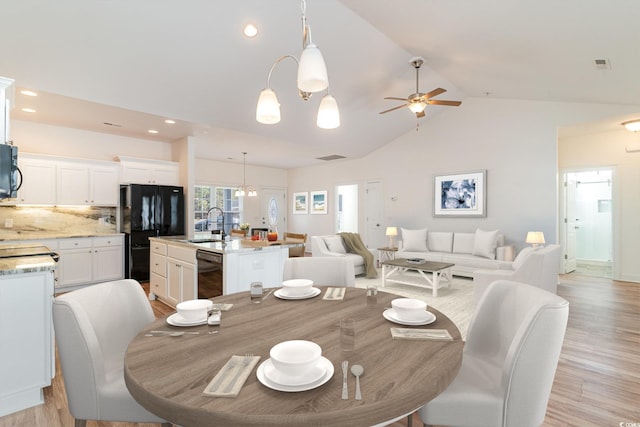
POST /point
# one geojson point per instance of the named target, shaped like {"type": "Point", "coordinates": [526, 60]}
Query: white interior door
{"type": "Point", "coordinates": [570, 223]}
{"type": "Point", "coordinates": [273, 208]}
{"type": "Point", "coordinates": [375, 227]}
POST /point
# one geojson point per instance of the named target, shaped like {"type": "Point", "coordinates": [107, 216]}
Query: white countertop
{"type": "Point", "coordinates": [235, 245]}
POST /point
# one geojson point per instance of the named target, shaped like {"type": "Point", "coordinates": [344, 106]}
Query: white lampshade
{"type": "Point", "coordinates": [312, 71]}
{"type": "Point", "coordinates": [268, 109]}
{"type": "Point", "coordinates": [328, 113]}
{"type": "Point", "coordinates": [417, 107]}
{"type": "Point", "coordinates": [392, 231]}
{"type": "Point", "coordinates": [535, 238]}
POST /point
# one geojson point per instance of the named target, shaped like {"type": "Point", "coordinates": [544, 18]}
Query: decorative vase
{"type": "Point", "coordinates": [272, 234]}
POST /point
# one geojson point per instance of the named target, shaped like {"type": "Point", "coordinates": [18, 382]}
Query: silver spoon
{"type": "Point", "coordinates": [357, 370]}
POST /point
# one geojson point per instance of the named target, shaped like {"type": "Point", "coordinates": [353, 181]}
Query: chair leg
{"type": "Point", "coordinates": [167, 425]}
{"type": "Point", "coordinates": [80, 423]}
{"type": "Point", "coordinates": [410, 420]}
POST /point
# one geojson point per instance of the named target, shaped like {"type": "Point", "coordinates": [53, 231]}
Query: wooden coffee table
{"type": "Point", "coordinates": [429, 273]}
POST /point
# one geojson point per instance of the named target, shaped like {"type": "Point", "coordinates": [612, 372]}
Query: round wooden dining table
{"type": "Point", "coordinates": [167, 375]}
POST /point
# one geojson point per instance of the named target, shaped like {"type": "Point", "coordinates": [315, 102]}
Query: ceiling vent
{"type": "Point", "coordinates": [331, 157]}
{"type": "Point", "coordinates": [602, 64]}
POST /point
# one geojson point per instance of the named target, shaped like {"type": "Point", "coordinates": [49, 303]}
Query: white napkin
{"type": "Point", "coordinates": [334, 294]}
{"type": "Point", "coordinates": [421, 334]}
{"type": "Point", "coordinates": [230, 379]}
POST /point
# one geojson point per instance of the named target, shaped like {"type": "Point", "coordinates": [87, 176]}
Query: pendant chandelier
{"type": "Point", "coordinates": [312, 77]}
{"type": "Point", "coordinates": [245, 190]}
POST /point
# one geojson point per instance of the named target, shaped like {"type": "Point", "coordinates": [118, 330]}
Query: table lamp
{"type": "Point", "coordinates": [391, 231]}
{"type": "Point", "coordinates": [535, 238]}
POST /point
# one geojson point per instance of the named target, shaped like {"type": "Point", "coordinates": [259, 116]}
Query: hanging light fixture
{"type": "Point", "coordinates": [245, 190]}
{"type": "Point", "coordinates": [312, 77]}
{"type": "Point", "coordinates": [632, 125]}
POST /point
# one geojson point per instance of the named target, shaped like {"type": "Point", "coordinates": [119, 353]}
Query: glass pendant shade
{"type": "Point", "coordinates": [417, 107]}
{"type": "Point", "coordinates": [328, 113]}
{"type": "Point", "coordinates": [633, 125]}
{"type": "Point", "coordinates": [312, 71]}
{"type": "Point", "coordinates": [268, 109]}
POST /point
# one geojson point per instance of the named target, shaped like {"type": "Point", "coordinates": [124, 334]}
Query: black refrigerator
{"type": "Point", "coordinates": [148, 211]}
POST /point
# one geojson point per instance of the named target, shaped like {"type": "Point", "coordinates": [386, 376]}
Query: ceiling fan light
{"type": "Point", "coordinates": [312, 71]}
{"type": "Point", "coordinates": [328, 113]}
{"type": "Point", "coordinates": [632, 125]}
{"type": "Point", "coordinates": [417, 107]}
{"type": "Point", "coordinates": [268, 109]}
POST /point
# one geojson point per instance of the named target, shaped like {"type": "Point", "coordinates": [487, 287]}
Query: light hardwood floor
{"type": "Point", "coordinates": [597, 382]}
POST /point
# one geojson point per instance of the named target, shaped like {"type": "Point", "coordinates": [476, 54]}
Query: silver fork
{"type": "Point", "coordinates": [245, 362]}
{"type": "Point", "coordinates": [219, 381]}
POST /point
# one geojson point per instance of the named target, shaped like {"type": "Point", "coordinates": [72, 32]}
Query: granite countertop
{"type": "Point", "coordinates": [235, 245]}
{"type": "Point", "coordinates": [24, 264]}
{"type": "Point", "coordinates": [44, 235]}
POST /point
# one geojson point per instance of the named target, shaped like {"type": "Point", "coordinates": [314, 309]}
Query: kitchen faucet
{"type": "Point", "coordinates": [221, 214]}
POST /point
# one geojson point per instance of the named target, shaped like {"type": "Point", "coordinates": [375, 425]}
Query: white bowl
{"type": "Point", "coordinates": [295, 358]}
{"type": "Point", "coordinates": [297, 287]}
{"type": "Point", "coordinates": [409, 308]}
{"type": "Point", "coordinates": [195, 309]}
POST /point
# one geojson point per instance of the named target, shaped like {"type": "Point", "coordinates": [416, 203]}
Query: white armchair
{"type": "Point", "coordinates": [322, 270]}
{"type": "Point", "coordinates": [93, 328]}
{"type": "Point", "coordinates": [508, 362]}
{"type": "Point", "coordinates": [537, 267]}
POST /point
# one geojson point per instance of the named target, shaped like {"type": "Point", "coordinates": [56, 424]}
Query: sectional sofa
{"type": "Point", "coordinates": [332, 245]}
{"type": "Point", "coordinates": [468, 251]}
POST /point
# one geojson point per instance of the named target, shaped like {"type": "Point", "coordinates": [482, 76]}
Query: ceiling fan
{"type": "Point", "coordinates": [418, 101]}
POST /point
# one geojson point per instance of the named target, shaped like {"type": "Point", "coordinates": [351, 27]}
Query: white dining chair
{"type": "Point", "coordinates": [509, 360]}
{"type": "Point", "coordinates": [93, 327]}
{"type": "Point", "coordinates": [322, 270]}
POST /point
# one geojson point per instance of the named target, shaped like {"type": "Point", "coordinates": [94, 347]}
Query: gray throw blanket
{"type": "Point", "coordinates": [353, 243]}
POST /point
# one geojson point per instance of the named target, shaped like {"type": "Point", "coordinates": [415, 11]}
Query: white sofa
{"type": "Point", "coordinates": [537, 267]}
{"type": "Point", "coordinates": [467, 251]}
{"type": "Point", "coordinates": [331, 245]}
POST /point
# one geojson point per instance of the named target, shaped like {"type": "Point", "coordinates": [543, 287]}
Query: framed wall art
{"type": "Point", "coordinates": [300, 203]}
{"type": "Point", "coordinates": [318, 202]}
{"type": "Point", "coordinates": [460, 195]}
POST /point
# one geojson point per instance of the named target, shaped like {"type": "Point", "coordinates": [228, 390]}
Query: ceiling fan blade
{"type": "Point", "coordinates": [420, 114]}
{"type": "Point", "coordinates": [397, 99]}
{"type": "Point", "coordinates": [394, 108]}
{"type": "Point", "coordinates": [449, 103]}
{"type": "Point", "coordinates": [434, 92]}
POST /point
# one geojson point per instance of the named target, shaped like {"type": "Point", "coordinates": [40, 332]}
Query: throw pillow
{"type": "Point", "coordinates": [334, 244]}
{"type": "Point", "coordinates": [485, 243]}
{"type": "Point", "coordinates": [414, 240]}
{"type": "Point", "coordinates": [522, 256]}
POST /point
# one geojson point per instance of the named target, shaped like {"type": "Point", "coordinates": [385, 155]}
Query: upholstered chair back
{"type": "Point", "coordinates": [322, 270]}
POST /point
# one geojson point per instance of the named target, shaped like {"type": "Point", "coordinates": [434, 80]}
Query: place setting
{"type": "Point", "coordinates": [410, 312]}
{"type": "Point", "coordinates": [297, 289]}
{"type": "Point", "coordinates": [295, 366]}
{"type": "Point", "coordinates": [197, 312]}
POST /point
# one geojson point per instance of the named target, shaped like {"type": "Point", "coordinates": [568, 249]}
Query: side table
{"type": "Point", "coordinates": [386, 254]}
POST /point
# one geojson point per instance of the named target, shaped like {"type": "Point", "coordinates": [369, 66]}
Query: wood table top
{"type": "Point", "coordinates": [424, 266]}
{"type": "Point", "coordinates": [167, 375]}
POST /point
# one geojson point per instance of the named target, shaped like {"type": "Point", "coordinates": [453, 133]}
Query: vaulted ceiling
{"type": "Point", "coordinates": [135, 63]}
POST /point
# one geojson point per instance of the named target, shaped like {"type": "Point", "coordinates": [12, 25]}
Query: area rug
{"type": "Point", "coordinates": [455, 301]}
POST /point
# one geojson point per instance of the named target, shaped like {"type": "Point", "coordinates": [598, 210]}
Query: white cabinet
{"type": "Point", "coordinates": [158, 270]}
{"type": "Point", "coordinates": [143, 171]}
{"type": "Point", "coordinates": [181, 274]}
{"type": "Point", "coordinates": [38, 181]}
{"type": "Point", "coordinates": [242, 268]}
{"type": "Point", "coordinates": [89, 260]}
{"type": "Point", "coordinates": [87, 184]}
{"type": "Point", "coordinates": [27, 356]}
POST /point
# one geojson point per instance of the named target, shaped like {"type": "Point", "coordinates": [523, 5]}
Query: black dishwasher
{"type": "Point", "coordinates": [209, 274]}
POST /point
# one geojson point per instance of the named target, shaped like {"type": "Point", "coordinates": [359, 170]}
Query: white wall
{"type": "Point", "coordinates": [608, 149]}
{"type": "Point", "coordinates": [515, 141]}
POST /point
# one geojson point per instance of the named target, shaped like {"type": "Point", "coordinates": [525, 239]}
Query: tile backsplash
{"type": "Point", "coordinates": [21, 222]}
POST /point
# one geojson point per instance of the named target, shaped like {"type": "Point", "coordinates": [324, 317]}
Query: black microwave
{"type": "Point", "coordinates": [9, 171]}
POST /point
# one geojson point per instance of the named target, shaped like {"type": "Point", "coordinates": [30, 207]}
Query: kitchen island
{"type": "Point", "coordinates": [175, 270]}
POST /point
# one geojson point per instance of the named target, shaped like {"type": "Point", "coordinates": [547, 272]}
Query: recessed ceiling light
{"type": "Point", "coordinates": [152, 131]}
{"type": "Point", "coordinates": [250, 30]}
{"type": "Point", "coordinates": [28, 93]}
{"type": "Point", "coordinates": [28, 110]}
{"type": "Point", "coordinates": [170, 122]}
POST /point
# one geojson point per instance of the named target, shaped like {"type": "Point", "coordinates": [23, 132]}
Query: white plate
{"type": "Point", "coordinates": [278, 377]}
{"type": "Point", "coordinates": [176, 320]}
{"type": "Point", "coordinates": [314, 293]}
{"type": "Point", "coordinates": [295, 388]}
{"type": "Point", "coordinates": [390, 314]}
